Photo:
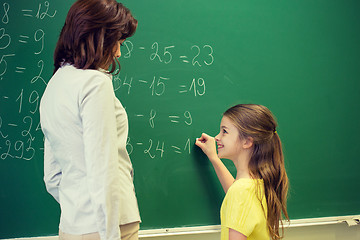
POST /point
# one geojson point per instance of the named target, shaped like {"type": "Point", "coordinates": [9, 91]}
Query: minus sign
{"type": "Point", "coordinates": [142, 48]}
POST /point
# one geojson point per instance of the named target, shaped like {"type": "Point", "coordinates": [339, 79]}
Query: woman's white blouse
{"type": "Point", "coordinates": [86, 166]}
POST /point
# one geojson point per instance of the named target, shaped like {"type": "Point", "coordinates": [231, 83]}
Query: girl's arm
{"type": "Point", "coordinates": [235, 235]}
{"type": "Point", "coordinates": [208, 146]}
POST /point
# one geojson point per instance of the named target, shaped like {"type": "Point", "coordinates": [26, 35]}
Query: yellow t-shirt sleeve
{"type": "Point", "coordinates": [239, 212]}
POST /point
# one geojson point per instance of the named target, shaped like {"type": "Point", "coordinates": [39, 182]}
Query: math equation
{"type": "Point", "coordinates": [28, 36]}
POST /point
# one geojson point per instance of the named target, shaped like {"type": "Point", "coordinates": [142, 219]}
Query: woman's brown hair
{"type": "Point", "coordinates": [267, 160]}
{"type": "Point", "coordinates": [90, 34]}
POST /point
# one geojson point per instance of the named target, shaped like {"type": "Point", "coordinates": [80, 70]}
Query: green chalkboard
{"type": "Point", "coordinates": [187, 63]}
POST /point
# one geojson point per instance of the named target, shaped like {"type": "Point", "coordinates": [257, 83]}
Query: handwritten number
{"type": "Point", "coordinates": [210, 55]}
{"type": "Point", "coordinates": [2, 60]}
{"type": "Point", "coordinates": [160, 85]}
{"type": "Point", "coordinates": [29, 149]}
{"type": "Point", "coordinates": [194, 61]}
{"type": "Point", "coordinates": [45, 13]}
{"type": "Point", "coordinates": [129, 47]}
{"type": "Point", "coordinates": [128, 83]}
{"type": "Point", "coordinates": [152, 116]}
{"type": "Point", "coordinates": [39, 38]}
{"type": "Point", "coordinates": [194, 85]}
{"type": "Point", "coordinates": [129, 147]}
{"type": "Point", "coordinates": [41, 65]}
{"type": "Point", "coordinates": [188, 116]}
{"type": "Point", "coordinates": [34, 100]}
{"type": "Point", "coordinates": [26, 132]}
{"type": "Point", "coordinates": [147, 151]}
{"type": "Point", "coordinates": [167, 53]}
{"type": "Point", "coordinates": [187, 145]}
{"type": "Point", "coordinates": [5, 19]}
{"type": "Point", "coordinates": [21, 99]}
{"type": "Point", "coordinates": [4, 35]}
{"type": "Point", "coordinates": [154, 55]}
{"type": "Point", "coordinates": [160, 149]}
{"type": "Point", "coordinates": [5, 155]}
{"type": "Point", "coordinates": [18, 147]}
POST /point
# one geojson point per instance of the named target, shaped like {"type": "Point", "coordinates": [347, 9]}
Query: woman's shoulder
{"type": "Point", "coordinates": [68, 69]}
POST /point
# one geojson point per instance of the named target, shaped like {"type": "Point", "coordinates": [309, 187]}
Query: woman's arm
{"type": "Point", "coordinates": [207, 145]}
{"type": "Point", "coordinates": [52, 171]}
{"type": "Point", "coordinates": [97, 113]}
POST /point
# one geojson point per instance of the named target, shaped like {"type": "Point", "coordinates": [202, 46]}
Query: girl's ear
{"type": "Point", "coordinates": [248, 142]}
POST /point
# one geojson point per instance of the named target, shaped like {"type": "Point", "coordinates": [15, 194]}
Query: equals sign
{"type": "Point", "coordinates": [26, 13]}
{"type": "Point", "coordinates": [184, 89]}
{"type": "Point", "coordinates": [184, 59]}
{"type": "Point", "coordinates": [20, 69]}
{"type": "Point", "coordinates": [23, 38]}
{"type": "Point", "coordinates": [174, 119]}
{"type": "Point", "coordinates": [176, 149]}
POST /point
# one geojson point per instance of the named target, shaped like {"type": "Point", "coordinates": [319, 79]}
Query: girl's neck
{"type": "Point", "coordinates": [242, 174]}
{"type": "Point", "coordinates": [242, 166]}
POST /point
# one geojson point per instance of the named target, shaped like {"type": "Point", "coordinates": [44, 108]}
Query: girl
{"type": "Point", "coordinates": [254, 201]}
{"type": "Point", "coordinates": [86, 166]}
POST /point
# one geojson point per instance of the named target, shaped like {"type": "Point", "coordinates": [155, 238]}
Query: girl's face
{"type": "Point", "coordinates": [228, 140]}
{"type": "Point", "coordinates": [117, 51]}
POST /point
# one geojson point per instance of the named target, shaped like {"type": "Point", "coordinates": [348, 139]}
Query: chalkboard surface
{"type": "Point", "coordinates": [188, 62]}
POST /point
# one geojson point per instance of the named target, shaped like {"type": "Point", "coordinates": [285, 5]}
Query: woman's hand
{"type": "Point", "coordinates": [207, 145]}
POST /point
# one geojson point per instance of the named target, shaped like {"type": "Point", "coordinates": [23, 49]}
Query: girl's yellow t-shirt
{"type": "Point", "coordinates": [242, 210]}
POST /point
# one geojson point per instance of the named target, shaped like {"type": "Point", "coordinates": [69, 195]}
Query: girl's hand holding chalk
{"type": "Point", "coordinates": [207, 145]}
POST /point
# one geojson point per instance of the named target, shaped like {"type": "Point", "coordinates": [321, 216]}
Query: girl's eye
{"type": "Point", "coordinates": [224, 131]}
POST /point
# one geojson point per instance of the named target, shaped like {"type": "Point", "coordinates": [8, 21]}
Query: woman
{"type": "Point", "coordinates": [254, 201]}
{"type": "Point", "coordinates": [86, 166]}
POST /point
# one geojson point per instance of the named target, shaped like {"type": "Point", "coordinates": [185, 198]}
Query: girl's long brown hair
{"type": "Point", "coordinates": [91, 31]}
{"type": "Point", "coordinates": [267, 160]}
